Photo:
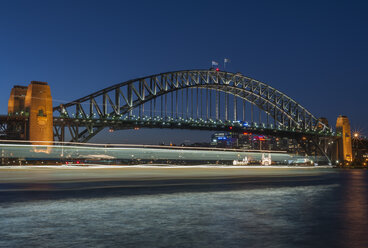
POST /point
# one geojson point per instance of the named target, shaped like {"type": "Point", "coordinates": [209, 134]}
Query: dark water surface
{"type": "Point", "coordinates": [328, 210]}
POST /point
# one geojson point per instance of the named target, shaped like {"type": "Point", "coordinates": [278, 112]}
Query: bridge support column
{"type": "Point", "coordinates": [251, 113]}
{"type": "Point", "coordinates": [244, 107]}
{"type": "Point", "coordinates": [226, 106]}
{"type": "Point", "coordinates": [235, 103]}
{"type": "Point", "coordinates": [35, 102]}
{"type": "Point", "coordinates": [38, 104]}
{"type": "Point", "coordinates": [16, 107]}
{"type": "Point", "coordinates": [344, 147]}
{"type": "Point", "coordinates": [217, 105]}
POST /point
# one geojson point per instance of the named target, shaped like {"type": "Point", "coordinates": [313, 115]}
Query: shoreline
{"type": "Point", "coordinates": [97, 166]}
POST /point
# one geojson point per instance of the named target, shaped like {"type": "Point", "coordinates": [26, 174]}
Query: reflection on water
{"type": "Point", "coordinates": [333, 215]}
{"type": "Point", "coordinates": [355, 199]}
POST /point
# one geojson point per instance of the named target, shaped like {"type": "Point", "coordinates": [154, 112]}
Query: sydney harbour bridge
{"type": "Point", "coordinates": [190, 99]}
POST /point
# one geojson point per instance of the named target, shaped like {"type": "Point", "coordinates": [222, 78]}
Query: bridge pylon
{"type": "Point", "coordinates": [39, 106]}
{"type": "Point", "coordinates": [17, 130]}
{"type": "Point", "coordinates": [344, 152]}
{"type": "Point", "coordinates": [35, 103]}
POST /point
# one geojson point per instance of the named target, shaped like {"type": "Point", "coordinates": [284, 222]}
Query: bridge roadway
{"type": "Point", "coordinates": [197, 124]}
{"type": "Point", "coordinates": [158, 122]}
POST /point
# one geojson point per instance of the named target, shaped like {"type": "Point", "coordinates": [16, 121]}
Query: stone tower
{"type": "Point", "coordinates": [344, 147]}
{"type": "Point", "coordinates": [17, 130]}
{"type": "Point", "coordinates": [16, 100]}
{"type": "Point", "coordinates": [38, 103]}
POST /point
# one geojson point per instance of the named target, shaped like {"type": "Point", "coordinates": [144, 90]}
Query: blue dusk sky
{"type": "Point", "coordinates": [314, 51]}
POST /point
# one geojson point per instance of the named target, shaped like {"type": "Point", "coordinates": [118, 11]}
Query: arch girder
{"type": "Point", "coordinates": [121, 98]}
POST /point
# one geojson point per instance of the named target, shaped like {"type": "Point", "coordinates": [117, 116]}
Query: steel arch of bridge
{"type": "Point", "coordinates": [102, 108]}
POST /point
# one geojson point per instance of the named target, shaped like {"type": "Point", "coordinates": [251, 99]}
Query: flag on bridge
{"type": "Point", "coordinates": [226, 61]}
{"type": "Point", "coordinates": [214, 63]}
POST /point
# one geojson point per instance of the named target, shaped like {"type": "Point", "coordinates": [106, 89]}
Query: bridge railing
{"type": "Point", "coordinates": [179, 122]}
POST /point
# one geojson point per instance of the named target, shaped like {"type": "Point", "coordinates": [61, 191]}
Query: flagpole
{"type": "Point", "coordinates": [225, 61]}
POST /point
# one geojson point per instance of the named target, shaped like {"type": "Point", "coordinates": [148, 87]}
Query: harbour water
{"type": "Point", "coordinates": [310, 208]}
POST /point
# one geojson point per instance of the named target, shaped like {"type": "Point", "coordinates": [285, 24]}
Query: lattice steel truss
{"type": "Point", "coordinates": [13, 127]}
{"type": "Point", "coordinates": [117, 101]}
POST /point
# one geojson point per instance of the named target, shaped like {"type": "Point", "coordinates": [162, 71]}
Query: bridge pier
{"type": "Point", "coordinates": [16, 107]}
{"type": "Point", "coordinates": [34, 102]}
{"type": "Point", "coordinates": [38, 104]}
{"type": "Point", "coordinates": [344, 152]}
